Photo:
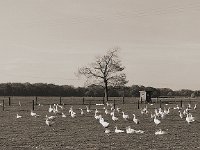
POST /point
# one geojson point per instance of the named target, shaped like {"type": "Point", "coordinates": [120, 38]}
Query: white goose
{"type": "Point", "coordinates": [73, 114]}
{"type": "Point", "coordinates": [160, 132]}
{"type": "Point", "coordinates": [189, 106]}
{"type": "Point", "coordinates": [113, 117]}
{"type": "Point", "coordinates": [144, 110]}
{"type": "Point", "coordinates": [71, 109]}
{"type": "Point", "coordinates": [34, 114]}
{"type": "Point", "coordinates": [81, 111]}
{"type": "Point", "coordinates": [50, 117]}
{"type": "Point", "coordinates": [60, 106]}
{"type": "Point", "coordinates": [18, 116]}
{"type": "Point", "coordinates": [139, 131]}
{"type": "Point", "coordinates": [156, 112]}
{"type": "Point", "coordinates": [180, 114]}
{"type": "Point", "coordinates": [49, 122]}
{"type": "Point", "coordinates": [88, 110]}
{"type": "Point", "coordinates": [156, 121]}
{"type": "Point", "coordinates": [118, 130]}
{"type": "Point", "coordinates": [190, 118]}
{"type": "Point", "coordinates": [195, 106]}
{"type": "Point", "coordinates": [185, 112]}
{"type": "Point", "coordinates": [106, 111]}
{"type": "Point", "coordinates": [56, 111]}
{"type": "Point", "coordinates": [118, 109]}
{"type": "Point", "coordinates": [152, 116]}
{"type": "Point", "coordinates": [177, 107]}
{"type": "Point", "coordinates": [129, 130]}
{"type": "Point", "coordinates": [135, 120]}
{"type": "Point", "coordinates": [166, 111]}
{"type": "Point", "coordinates": [125, 116]}
{"type": "Point", "coordinates": [112, 108]}
{"type": "Point", "coordinates": [103, 123]}
{"type": "Point", "coordinates": [50, 109]}
{"type": "Point", "coordinates": [109, 104]}
{"type": "Point", "coordinates": [97, 116]}
{"type": "Point", "coordinates": [107, 131]}
{"type": "Point", "coordinates": [63, 115]}
{"type": "Point", "coordinates": [96, 111]}
{"type": "Point", "coordinates": [112, 112]}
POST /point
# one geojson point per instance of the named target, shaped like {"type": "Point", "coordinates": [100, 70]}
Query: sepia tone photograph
{"type": "Point", "coordinates": [99, 75]}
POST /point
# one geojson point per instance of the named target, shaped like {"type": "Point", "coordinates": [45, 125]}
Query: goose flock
{"type": "Point", "coordinates": [156, 115]}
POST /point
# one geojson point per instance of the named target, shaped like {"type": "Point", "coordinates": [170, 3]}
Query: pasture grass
{"type": "Point", "coordinates": [86, 133]}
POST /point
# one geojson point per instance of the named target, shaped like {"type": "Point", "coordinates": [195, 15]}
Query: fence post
{"type": "Point", "coordinates": [114, 103]}
{"type": "Point", "coordinates": [138, 104]}
{"type": "Point", "coordinates": [103, 101]}
{"type": "Point", "coordinates": [181, 103]}
{"type": "Point", "coordinates": [123, 99]}
{"type": "Point", "coordinates": [9, 101]}
{"type": "Point", "coordinates": [157, 100]}
{"type": "Point", "coordinates": [60, 100]}
{"type": "Point", "coordinates": [33, 105]}
{"type": "Point", "coordinates": [3, 104]}
{"type": "Point", "coordinates": [83, 101]}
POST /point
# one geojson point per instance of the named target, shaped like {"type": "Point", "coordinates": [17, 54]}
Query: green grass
{"type": "Point", "coordinates": [85, 132]}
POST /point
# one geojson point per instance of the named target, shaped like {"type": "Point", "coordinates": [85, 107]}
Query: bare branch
{"type": "Point", "coordinates": [105, 71]}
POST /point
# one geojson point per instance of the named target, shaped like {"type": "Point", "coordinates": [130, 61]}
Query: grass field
{"type": "Point", "coordinates": [84, 132]}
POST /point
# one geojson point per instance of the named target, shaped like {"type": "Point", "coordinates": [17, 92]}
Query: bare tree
{"type": "Point", "coordinates": [105, 71]}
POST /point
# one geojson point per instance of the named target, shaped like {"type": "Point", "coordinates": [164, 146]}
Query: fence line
{"type": "Point", "coordinates": [33, 101]}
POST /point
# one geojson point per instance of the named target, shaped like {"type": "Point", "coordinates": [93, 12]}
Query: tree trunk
{"type": "Point", "coordinates": [106, 90]}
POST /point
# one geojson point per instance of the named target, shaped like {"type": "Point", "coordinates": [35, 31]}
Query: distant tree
{"type": "Point", "coordinates": [184, 92]}
{"type": "Point", "coordinates": [166, 92]}
{"type": "Point", "coordinates": [195, 94]}
{"type": "Point", "coordinates": [105, 71]}
{"type": "Point", "coordinates": [94, 90]}
{"type": "Point", "coordinates": [135, 90]}
{"type": "Point", "coordinates": [170, 93]}
{"type": "Point", "coordinates": [155, 92]}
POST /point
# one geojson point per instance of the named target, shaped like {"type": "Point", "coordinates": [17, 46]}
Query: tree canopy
{"type": "Point", "coordinates": [106, 71]}
{"type": "Point", "coordinates": [44, 89]}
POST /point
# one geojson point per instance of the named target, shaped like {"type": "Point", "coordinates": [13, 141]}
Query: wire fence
{"type": "Point", "coordinates": [31, 102]}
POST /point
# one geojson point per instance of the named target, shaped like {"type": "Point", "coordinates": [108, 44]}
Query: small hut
{"type": "Point", "coordinates": [145, 96]}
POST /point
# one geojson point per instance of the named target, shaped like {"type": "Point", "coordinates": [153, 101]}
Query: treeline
{"type": "Point", "coordinates": [43, 89]}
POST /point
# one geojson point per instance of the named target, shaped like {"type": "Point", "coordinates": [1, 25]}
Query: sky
{"type": "Point", "coordinates": [48, 40]}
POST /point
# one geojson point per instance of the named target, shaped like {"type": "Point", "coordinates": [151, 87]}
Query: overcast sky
{"type": "Point", "coordinates": [47, 40]}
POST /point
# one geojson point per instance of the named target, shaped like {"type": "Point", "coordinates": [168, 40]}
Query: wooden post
{"type": "Point", "coordinates": [157, 100]}
{"type": "Point", "coordinates": [181, 103]}
{"type": "Point", "coordinates": [114, 103]}
{"type": "Point", "coordinates": [138, 104]}
{"type": "Point", "coordinates": [9, 101]}
{"type": "Point", "coordinates": [123, 99]}
{"type": "Point", "coordinates": [3, 104]}
{"type": "Point", "coordinates": [160, 103]}
{"type": "Point", "coordinates": [83, 101]}
{"type": "Point", "coordinates": [103, 101]}
{"type": "Point", "coordinates": [33, 105]}
{"type": "Point", "coordinates": [60, 100]}
{"type": "Point", "coordinates": [36, 100]}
